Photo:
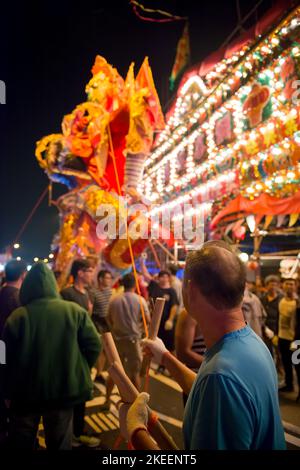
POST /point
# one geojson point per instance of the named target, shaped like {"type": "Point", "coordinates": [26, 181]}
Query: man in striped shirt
{"type": "Point", "coordinates": [102, 297]}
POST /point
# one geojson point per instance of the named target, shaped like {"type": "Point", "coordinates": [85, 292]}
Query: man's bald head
{"type": "Point", "coordinates": [218, 273]}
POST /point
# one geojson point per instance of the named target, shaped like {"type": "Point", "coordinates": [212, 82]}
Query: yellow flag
{"type": "Point", "coordinates": [268, 220]}
{"type": "Point", "coordinates": [129, 82]}
{"type": "Point", "coordinates": [293, 219]}
{"type": "Point", "coordinates": [182, 56]}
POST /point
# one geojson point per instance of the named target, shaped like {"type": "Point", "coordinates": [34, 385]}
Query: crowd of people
{"type": "Point", "coordinates": [223, 340]}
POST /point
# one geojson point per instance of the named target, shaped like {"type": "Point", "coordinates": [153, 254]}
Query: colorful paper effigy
{"type": "Point", "coordinates": [100, 155]}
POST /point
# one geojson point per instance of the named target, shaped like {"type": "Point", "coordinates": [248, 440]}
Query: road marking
{"type": "Point", "coordinates": [291, 428]}
{"type": "Point", "coordinates": [101, 388]}
{"type": "Point", "coordinates": [292, 439]}
{"type": "Point", "coordinates": [115, 399]}
{"type": "Point", "coordinates": [99, 422]}
{"type": "Point", "coordinates": [107, 421]}
{"type": "Point", "coordinates": [166, 380]}
{"type": "Point", "coordinates": [114, 419]}
{"type": "Point", "coordinates": [91, 423]}
{"type": "Point", "coordinates": [95, 402]}
{"type": "Point", "coordinates": [160, 377]}
{"type": "Point", "coordinates": [168, 419]}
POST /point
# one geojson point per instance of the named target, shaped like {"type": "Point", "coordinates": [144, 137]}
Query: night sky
{"type": "Point", "coordinates": [47, 51]}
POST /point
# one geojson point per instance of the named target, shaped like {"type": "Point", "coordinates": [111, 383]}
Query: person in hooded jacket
{"type": "Point", "coordinates": [51, 345]}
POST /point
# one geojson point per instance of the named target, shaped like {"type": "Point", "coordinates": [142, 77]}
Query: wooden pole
{"type": "Point", "coordinates": [154, 254]}
{"type": "Point", "coordinates": [110, 349]}
{"type": "Point", "coordinates": [128, 394]}
{"type": "Point", "coordinates": [153, 330]}
{"type": "Point", "coordinates": [165, 250]}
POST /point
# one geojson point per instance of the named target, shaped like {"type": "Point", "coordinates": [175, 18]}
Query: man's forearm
{"type": "Point", "coordinates": [173, 312]}
{"type": "Point", "coordinates": [145, 271]}
{"type": "Point", "coordinates": [182, 374]}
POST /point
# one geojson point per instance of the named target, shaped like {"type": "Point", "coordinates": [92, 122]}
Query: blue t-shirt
{"type": "Point", "coordinates": [233, 403]}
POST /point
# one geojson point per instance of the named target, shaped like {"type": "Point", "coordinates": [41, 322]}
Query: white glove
{"type": "Point", "coordinates": [294, 345]}
{"type": "Point", "coordinates": [269, 333]}
{"type": "Point", "coordinates": [135, 416]}
{"type": "Point", "coordinates": [156, 347]}
{"type": "Point", "coordinates": [123, 411]}
{"type": "Point", "coordinates": [169, 325]}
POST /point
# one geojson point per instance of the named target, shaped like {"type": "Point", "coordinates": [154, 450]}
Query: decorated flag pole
{"type": "Point", "coordinates": [182, 56]}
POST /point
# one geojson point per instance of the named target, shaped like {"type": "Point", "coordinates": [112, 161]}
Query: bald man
{"type": "Point", "coordinates": [233, 400]}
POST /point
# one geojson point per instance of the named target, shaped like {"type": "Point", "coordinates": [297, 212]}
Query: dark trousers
{"type": "Point", "coordinates": [57, 424]}
{"type": "Point", "coordinates": [286, 356]}
{"type": "Point", "coordinates": [78, 419]}
{"type": "Point", "coordinates": [3, 420]}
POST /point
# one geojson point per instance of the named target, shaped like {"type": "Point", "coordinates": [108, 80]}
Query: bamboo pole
{"type": "Point", "coordinates": [153, 329]}
{"type": "Point", "coordinates": [128, 394]}
{"type": "Point", "coordinates": [110, 349]}
{"type": "Point", "coordinates": [154, 254]}
{"type": "Point", "coordinates": [165, 249]}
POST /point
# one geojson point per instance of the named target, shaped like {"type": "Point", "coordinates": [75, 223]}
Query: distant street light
{"type": "Point", "coordinates": [29, 267]}
{"type": "Point", "coordinates": [35, 259]}
{"type": "Point", "coordinates": [18, 258]}
{"type": "Point", "coordinates": [46, 260]}
{"type": "Point", "coordinates": [51, 256]}
{"type": "Point", "coordinates": [16, 246]}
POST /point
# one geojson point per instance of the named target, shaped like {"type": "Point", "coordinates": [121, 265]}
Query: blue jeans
{"type": "Point", "coordinates": [57, 425]}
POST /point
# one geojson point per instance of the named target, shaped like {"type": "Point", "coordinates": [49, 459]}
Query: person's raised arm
{"type": "Point", "coordinates": [182, 374]}
{"type": "Point", "coordinates": [145, 271]}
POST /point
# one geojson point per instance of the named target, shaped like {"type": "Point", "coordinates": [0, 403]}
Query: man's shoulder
{"type": "Point", "coordinates": [215, 380]}
{"type": "Point", "coordinates": [223, 383]}
{"type": "Point", "coordinates": [152, 283]}
{"type": "Point", "coordinates": [176, 281]}
{"type": "Point", "coordinates": [68, 293]}
{"type": "Point", "coordinates": [66, 307]}
{"type": "Point", "coordinates": [135, 296]}
{"type": "Point", "coordinates": [16, 315]}
{"type": "Point", "coordinates": [138, 299]}
{"type": "Point", "coordinates": [8, 292]}
{"type": "Point", "coordinates": [116, 298]}
{"type": "Point", "coordinates": [67, 290]}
